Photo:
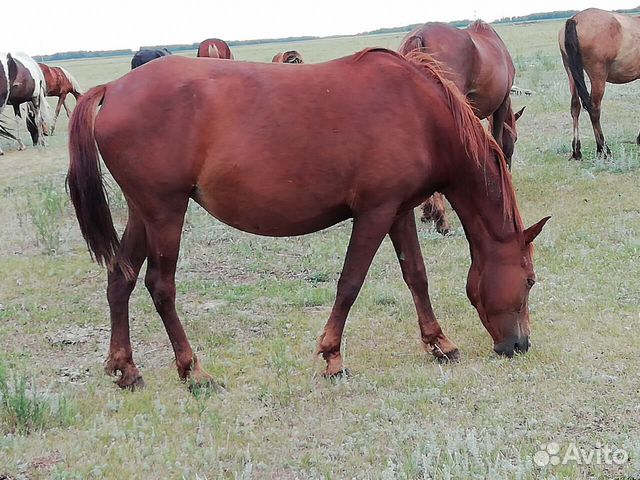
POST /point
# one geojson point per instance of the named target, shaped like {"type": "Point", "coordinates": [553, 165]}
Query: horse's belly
{"type": "Point", "coordinates": [270, 212]}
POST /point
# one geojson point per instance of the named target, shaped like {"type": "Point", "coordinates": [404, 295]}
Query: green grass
{"type": "Point", "coordinates": [253, 308]}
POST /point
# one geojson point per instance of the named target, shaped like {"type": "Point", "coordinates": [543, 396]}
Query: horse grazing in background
{"type": "Point", "coordinates": [26, 84]}
{"type": "Point", "coordinates": [60, 83]}
{"type": "Point", "coordinates": [145, 55]}
{"type": "Point", "coordinates": [606, 45]}
{"type": "Point", "coordinates": [291, 56]}
{"type": "Point", "coordinates": [477, 61]}
{"type": "Point", "coordinates": [345, 145]}
{"type": "Point", "coordinates": [214, 48]}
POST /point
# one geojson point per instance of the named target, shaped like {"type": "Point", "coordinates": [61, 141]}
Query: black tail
{"type": "Point", "coordinates": [574, 59]}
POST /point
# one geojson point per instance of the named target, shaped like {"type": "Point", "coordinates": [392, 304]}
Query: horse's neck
{"type": "Point", "coordinates": [476, 194]}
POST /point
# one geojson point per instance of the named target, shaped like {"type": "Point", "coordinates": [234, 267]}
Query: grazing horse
{"type": "Point", "coordinates": [60, 83]}
{"type": "Point", "coordinates": [145, 55]}
{"type": "Point", "coordinates": [291, 56]}
{"type": "Point", "coordinates": [367, 137]}
{"type": "Point", "coordinates": [214, 48]}
{"type": "Point", "coordinates": [478, 62]}
{"type": "Point", "coordinates": [606, 45]}
{"type": "Point", "coordinates": [27, 85]}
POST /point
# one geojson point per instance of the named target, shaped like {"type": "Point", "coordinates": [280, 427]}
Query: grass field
{"type": "Point", "coordinates": [253, 308]}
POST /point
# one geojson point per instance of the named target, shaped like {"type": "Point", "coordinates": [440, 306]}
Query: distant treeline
{"type": "Point", "coordinates": [534, 17]}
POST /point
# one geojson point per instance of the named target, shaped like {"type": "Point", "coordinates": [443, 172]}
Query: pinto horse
{"type": "Point", "coordinates": [145, 55]}
{"type": "Point", "coordinates": [60, 83]}
{"type": "Point", "coordinates": [26, 84]}
{"type": "Point", "coordinates": [606, 45]}
{"type": "Point", "coordinates": [214, 48]}
{"type": "Point", "coordinates": [367, 137]}
{"type": "Point", "coordinates": [291, 56]}
{"type": "Point", "coordinates": [478, 62]}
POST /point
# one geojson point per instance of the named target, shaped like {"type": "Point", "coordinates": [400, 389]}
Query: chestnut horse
{"type": "Point", "coordinates": [367, 137]}
{"type": "Point", "coordinates": [606, 45]}
{"type": "Point", "coordinates": [60, 83]}
{"type": "Point", "coordinates": [214, 48]}
{"type": "Point", "coordinates": [291, 56]}
{"type": "Point", "coordinates": [26, 84]}
{"type": "Point", "coordinates": [478, 62]}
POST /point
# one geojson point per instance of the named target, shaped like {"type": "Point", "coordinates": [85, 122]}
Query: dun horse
{"type": "Point", "coordinates": [369, 136]}
{"type": "Point", "coordinates": [26, 84]}
{"type": "Point", "coordinates": [478, 62]}
{"type": "Point", "coordinates": [214, 48]}
{"type": "Point", "coordinates": [606, 45]}
{"type": "Point", "coordinates": [291, 56]}
{"type": "Point", "coordinates": [60, 83]}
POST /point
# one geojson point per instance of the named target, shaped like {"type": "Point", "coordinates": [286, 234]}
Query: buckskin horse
{"type": "Point", "coordinates": [290, 56]}
{"type": "Point", "coordinates": [27, 85]}
{"type": "Point", "coordinates": [606, 45]}
{"type": "Point", "coordinates": [214, 48]}
{"type": "Point", "coordinates": [145, 55]}
{"type": "Point", "coordinates": [366, 137]}
{"type": "Point", "coordinates": [477, 61]}
{"type": "Point", "coordinates": [60, 83]}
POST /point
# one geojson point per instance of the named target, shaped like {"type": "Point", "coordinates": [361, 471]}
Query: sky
{"type": "Point", "coordinates": [44, 27]}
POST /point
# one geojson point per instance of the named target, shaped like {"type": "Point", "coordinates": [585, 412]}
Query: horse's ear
{"type": "Point", "coordinates": [534, 230]}
{"type": "Point", "coordinates": [519, 113]}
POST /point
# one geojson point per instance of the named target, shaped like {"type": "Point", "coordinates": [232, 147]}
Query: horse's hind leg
{"type": "Point", "coordinates": [405, 242]}
{"type": "Point", "coordinates": [368, 232]}
{"type": "Point", "coordinates": [597, 92]}
{"type": "Point", "coordinates": [433, 209]}
{"type": "Point", "coordinates": [576, 153]}
{"type": "Point", "coordinates": [121, 282]}
{"type": "Point", "coordinates": [163, 244]}
{"type": "Point", "coordinates": [497, 123]}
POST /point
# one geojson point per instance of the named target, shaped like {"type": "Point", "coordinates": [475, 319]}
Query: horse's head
{"type": "Point", "coordinates": [498, 286]}
{"type": "Point", "coordinates": [510, 134]}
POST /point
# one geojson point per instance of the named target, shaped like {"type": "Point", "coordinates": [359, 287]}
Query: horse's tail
{"type": "Point", "coordinates": [77, 90]}
{"type": "Point", "coordinates": [574, 60]}
{"type": "Point", "coordinates": [84, 180]}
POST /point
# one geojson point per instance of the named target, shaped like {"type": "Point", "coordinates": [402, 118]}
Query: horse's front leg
{"type": "Point", "coordinates": [405, 242]}
{"type": "Point", "coordinates": [369, 229]}
{"type": "Point", "coordinates": [57, 112]}
{"type": "Point", "coordinates": [18, 117]}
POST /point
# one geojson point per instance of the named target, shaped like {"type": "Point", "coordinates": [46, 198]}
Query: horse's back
{"type": "Point", "coordinates": [608, 42]}
{"type": "Point", "coordinates": [356, 121]}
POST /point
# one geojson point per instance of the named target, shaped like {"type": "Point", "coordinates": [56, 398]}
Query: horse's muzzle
{"type": "Point", "coordinates": [512, 345]}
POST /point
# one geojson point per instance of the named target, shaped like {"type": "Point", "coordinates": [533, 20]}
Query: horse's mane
{"type": "Point", "coordinates": [74, 82]}
{"type": "Point", "coordinates": [473, 135]}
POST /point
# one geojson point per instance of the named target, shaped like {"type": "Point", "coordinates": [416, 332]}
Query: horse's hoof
{"type": "Point", "coordinates": [339, 375]}
{"type": "Point", "coordinates": [445, 356]}
{"type": "Point", "coordinates": [131, 383]}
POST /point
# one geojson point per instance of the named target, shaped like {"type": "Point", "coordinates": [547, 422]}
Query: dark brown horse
{"type": "Point", "coordinates": [478, 62]}
{"type": "Point", "coordinates": [60, 83]}
{"type": "Point", "coordinates": [290, 56]}
{"type": "Point", "coordinates": [367, 137]}
{"type": "Point", "coordinates": [26, 85]}
{"type": "Point", "coordinates": [214, 48]}
{"type": "Point", "coordinates": [606, 45]}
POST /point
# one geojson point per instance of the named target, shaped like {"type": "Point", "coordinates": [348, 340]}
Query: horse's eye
{"type": "Point", "coordinates": [531, 282]}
